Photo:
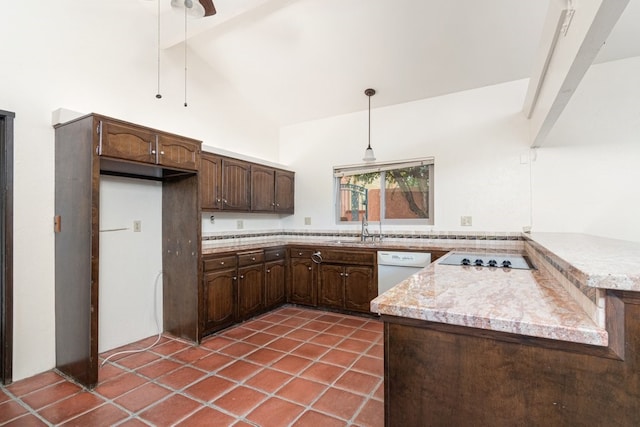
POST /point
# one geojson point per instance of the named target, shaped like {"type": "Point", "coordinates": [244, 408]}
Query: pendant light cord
{"type": "Point", "coordinates": [158, 95]}
{"type": "Point", "coordinates": [369, 146]}
{"type": "Point", "coordinates": [185, 56]}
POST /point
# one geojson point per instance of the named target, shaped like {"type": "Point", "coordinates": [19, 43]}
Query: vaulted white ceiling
{"type": "Point", "coordinates": [298, 60]}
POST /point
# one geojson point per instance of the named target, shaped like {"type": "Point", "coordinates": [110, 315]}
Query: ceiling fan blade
{"type": "Point", "coordinates": [195, 8]}
{"type": "Point", "coordinates": [209, 8]}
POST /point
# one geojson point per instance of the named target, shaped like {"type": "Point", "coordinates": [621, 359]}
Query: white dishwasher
{"type": "Point", "coordinates": [394, 267]}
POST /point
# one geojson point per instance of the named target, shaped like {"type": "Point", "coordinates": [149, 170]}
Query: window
{"type": "Point", "coordinates": [396, 192]}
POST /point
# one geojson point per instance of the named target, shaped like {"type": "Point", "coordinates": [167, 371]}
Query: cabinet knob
{"type": "Point", "coordinates": [273, 204]}
{"type": "Point", "coordinates": [277, 253]}
{"type": "Point", "coordinates": [162, 153]}
{"type": "Point", "coordinates": [309, 268]}
{"type": "Point", "coordinates": [242, 276]}
{"type": "Point", "coordinates": [299, 253]}
{"type": "Point", "coordinates": [235, 278]}
{"type": "Point", "coordinates": [341, 274]}
{"type": "Point", "coordinates": [346, 274]}
{"type": "Point", "coordinates": [153, 151]}
{"type": "Point", "coordinates": [268, 271]}
{"type": "Point", "coordinates": [253, 258]}
{"type": "Point", "coordinates": [221, 262]}
{"type": "Point", "coordinates": [278, 204]}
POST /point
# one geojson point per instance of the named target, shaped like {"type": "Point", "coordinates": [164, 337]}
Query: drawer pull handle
{"type": "Point", "coordinates": [316, 257]}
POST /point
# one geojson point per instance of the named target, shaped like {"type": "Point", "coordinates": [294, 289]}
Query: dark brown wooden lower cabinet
{"type": "Point", "coordinates": [219, 299]}
{"type": "Point", "coordinates": [346, 287]}
{"type": "Point", "coordinates": [274, 283]}
{"type": "Point", "coordinates": [250, 290]}
{"type": "Point", "coordinates": [302, 283]}
{"type": "Point", "coordinates": [441, 375]}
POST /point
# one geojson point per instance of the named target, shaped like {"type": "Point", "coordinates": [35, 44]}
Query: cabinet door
{"type": "Point", "coordinates": [120, 141]}
{"type": "Point", "coordinates": [262, 189]}
{"type": "Point", "coordinates": [219, 299]}
{"type": "Point", "coordinates": [274, 274]}
{"type": "Point", "coordinates": [210, 181]}
{"type": "Point", "coordinates": [250, 290]}
{"type": "Point", "coordinates": [284, 191]}
{"type": "Point", "coordinates": [331, 285]}
{"type": "Point", "coordinates": [235, 185]}
{"type": "Point", "coordinates": [359, 288]}
{"type": "Point", "coordinates": [302, 289]}
{"type": "Point", "coordinates": [176, 152]}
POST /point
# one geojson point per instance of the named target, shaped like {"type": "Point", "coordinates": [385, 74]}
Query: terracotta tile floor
{"type": "Point", "coordinates": [289, 367]}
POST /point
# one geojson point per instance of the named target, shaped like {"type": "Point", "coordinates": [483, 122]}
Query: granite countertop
{"type": "Point", "coordinates": [598, 262]}
{"type": "Point", "coordinates": [513, 246]}
{"type": "Point", "coordinates": [526, 302]}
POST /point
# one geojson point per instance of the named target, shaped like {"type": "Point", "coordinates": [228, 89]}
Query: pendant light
{"type": "Point", "coordinates": [368, 153]}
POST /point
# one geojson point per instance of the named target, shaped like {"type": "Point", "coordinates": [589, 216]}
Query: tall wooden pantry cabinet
{"type": "Point", "coordinates": [85, 149]}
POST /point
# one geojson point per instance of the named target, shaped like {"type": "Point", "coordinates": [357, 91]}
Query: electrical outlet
{"type": "Point", "coordinates": [137, 226]}
{"type": "Point", "coordinates": [307, 220]}
{"type": "Point", "coordinates": [212, 219]}
{"type": "Point", "coordinates": [240, 224]}
{"type": "Point", "coordinates": [465, 221]}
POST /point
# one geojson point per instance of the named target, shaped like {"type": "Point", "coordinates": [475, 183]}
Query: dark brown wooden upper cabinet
{"type": "Point", "coordinates": [241, 186]}
{"type": "Point", "coordinates": [210, 181]}
{"type": "Point", "coordinates": [177, 152]}
{"type": "Point", "coordinates": [236, 185]}
{"type": "Point", "coordinates": [284, 191]}
{"type": "Point", "coordinates": [263, 181]}
{"type": "Point", "coordinates": [124, 141]}
{"type": "Point", "coordinates": [121, 141]}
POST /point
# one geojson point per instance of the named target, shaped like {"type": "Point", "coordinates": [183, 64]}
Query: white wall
{"type": "Point", "coordinates": [93, 56]}
{"type": "Point", "coordinates": [586, 176]}
{"type": "Point", "coordinates": [130, 262]}
{"type": "Point", "coordinates": [477, 138]}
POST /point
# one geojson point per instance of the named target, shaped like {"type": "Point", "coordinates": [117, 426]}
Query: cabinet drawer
{"type": "Point", "coordinates": [348, 257]}
{"type": "Point", "coordinates": [219, 263]}
{"type": "Point", "coordinates": [249, 258]}
{"type": "Point", "coordinates": [300, 253]}
{"type": "Point", "coordinates": [274, 254]}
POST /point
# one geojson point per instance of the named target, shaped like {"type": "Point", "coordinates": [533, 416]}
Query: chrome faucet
{"type": "Point", "coordinates": [365, 230]}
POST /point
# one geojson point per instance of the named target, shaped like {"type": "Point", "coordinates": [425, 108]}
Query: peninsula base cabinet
{"type": "Point", "coordinates": [438, 374]}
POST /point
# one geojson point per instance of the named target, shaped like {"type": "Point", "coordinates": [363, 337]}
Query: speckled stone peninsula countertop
{"type": "Point", "coordinates": [526, 302]}
{"type": "Point", "coordinates": [596, 261]}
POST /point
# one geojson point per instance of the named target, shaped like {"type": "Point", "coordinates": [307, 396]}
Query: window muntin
{"type": "Point", "coordinates": [397, 192]}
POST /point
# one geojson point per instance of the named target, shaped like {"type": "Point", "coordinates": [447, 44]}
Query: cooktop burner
{"type": "Point", "coordinates": [519, 262]}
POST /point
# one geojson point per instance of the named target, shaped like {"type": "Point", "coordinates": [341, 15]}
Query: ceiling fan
{"type": "Point", "coordinates": [195, 8]}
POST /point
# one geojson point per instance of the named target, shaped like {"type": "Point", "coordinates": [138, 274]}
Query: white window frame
{"type": "Point", "coordinates": [341, 171]}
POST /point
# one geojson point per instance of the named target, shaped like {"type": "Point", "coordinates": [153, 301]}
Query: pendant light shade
{"type": "Point", "coordinates": [368, 153]}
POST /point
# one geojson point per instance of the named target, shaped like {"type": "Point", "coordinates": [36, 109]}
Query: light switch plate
{"type": "Point", "coordinates": [307, 220]}
{"type": "Point", "coordinates": [465, 221]}
{"type": "Point", "coordinates": [137, 226]}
